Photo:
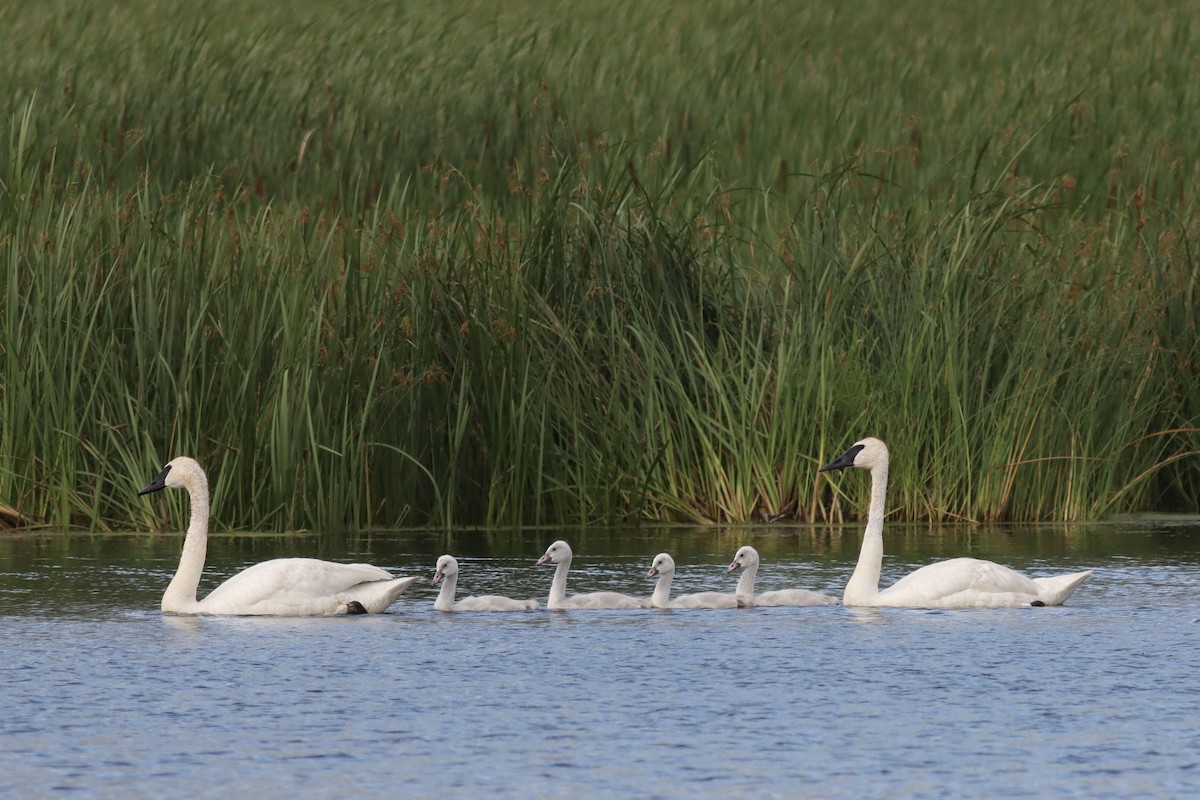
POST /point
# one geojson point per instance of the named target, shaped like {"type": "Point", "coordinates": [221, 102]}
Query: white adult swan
{"type": "Point", "coordinates": [447, 572]}
{"type": "Point", "coordinates": [957, 583]}
{"type": "Point", "coordinates": [286, 587]}
{"type": "Point", "coordinates": [560, 554]}
{"type": "Point", "coordinates": [746, 559]}
{"type": "Point", "coordinates": [664, 568]}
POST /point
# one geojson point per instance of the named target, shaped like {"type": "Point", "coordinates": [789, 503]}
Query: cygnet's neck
{"type": "Point", "coordinates": [445, 598]}
{"type": "Point", "coordinates": [181, 591]}
{"type": "Point", "coordinates": [662, 590]}
{"type": "Point", "coordinates": [745, 586]}
{"type": "Point", "coordinates": [558, 588]}
{"type": "Point", "coordinates": [864, 583]}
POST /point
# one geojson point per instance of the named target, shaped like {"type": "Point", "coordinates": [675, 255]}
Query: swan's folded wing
{"type": "Point", "coordinates": [943, 579]}
{"type": "Point", "coordinates": [288, 579]}
{"type": "Point", "coordinates": [961, 583]}
{"type": "Point", "coordinates": [992, 577]}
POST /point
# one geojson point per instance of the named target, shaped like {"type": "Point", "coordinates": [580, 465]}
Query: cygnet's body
{"type": "Point", "coordinates": [746, 559]}
{"type": "Point", "coordinates": [560, 555]}
{"type": "Point", "coordinates": [447, 571]}
{"type": "Point", "coordinates": [664, 568]}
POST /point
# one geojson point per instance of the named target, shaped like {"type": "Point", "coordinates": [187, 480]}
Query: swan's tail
{"type": "Point", "coordinates": [1055, 590]}
{"type": "Point", "coordinates": [376, 596]}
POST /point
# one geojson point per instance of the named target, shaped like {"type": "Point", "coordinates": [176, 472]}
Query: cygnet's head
{"type": "Point", "coordinates": [865, 454]}
{"type": "Point", "coordinates": [663, 564]}
{"type": "Point", "coordinates": [446, 565]}
{"type": "Point", "coordinates": [746, 556]}
{"type": "Point", "coordinates": [179, 473]}
{"type": "Point", "coordinates": [556, 553]}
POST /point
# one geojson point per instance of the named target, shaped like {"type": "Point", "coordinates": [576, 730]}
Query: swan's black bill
{"type": "Point", "coordinates": [843, 461]}
{"type": "Point", "coordinates": [158, 484]}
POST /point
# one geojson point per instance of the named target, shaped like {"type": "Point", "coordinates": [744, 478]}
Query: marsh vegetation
{"type": "Point", "coordinates": [466, 263]}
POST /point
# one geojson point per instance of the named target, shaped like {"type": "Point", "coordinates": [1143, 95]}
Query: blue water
{"type": "Point", "coordinates": [105, 697]}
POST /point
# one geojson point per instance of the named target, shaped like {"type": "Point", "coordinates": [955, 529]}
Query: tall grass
{"type": "Point", "coordinates": [475, 266]}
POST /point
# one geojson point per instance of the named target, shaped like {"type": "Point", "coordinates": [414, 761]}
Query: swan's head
{"type": "Point", "coordinates": [179, 473]}
{"type": "Point", "coordinates": [446, 565]}
{"type": "Point", "coordinates": [866, 454]}
{"type": "Point", "coordinates": [663, 565]}
{"type": "Point", "coordinates": [745, 557]}
{"type": "Point", "coordinates": [556, 553]}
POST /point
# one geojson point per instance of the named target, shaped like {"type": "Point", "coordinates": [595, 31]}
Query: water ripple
{"type": "Point", "coordinates": [104, 696]}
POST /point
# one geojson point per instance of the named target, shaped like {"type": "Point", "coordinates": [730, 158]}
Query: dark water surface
{"type": "Point", "coordinates": [103, 696]}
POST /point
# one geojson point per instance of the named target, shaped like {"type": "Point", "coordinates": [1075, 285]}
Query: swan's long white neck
{"type": "Point", "coordinates": [864, 583]}
{"type": "Point", "coordinates": [558, 589]}
{"type": "Point", "coordinates": [445, 598]}
{"type": "Point", "coordinates": [662, 590]}
{"type": "Point", "coordinates": [745, 584]}
{"type": "Point", "coordinates": [181, 592]}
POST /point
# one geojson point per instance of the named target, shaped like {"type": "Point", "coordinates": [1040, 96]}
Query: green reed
{"type": "Point", "coordinates": [462, 265]}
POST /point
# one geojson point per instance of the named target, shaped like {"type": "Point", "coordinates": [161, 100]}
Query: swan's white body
{"type": "Point", "coordinates": [664, 568]}
{"type": "Point", "coordinates": [956, 583]}
{"type": "Point", "coordinates": [447, 572]}
{"type": "Point", "coordinates": [289, 587]}
{"type": "Point", "coordinates": [746, 559]}
{"type": "Point", "coordinates": [560, 555]}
